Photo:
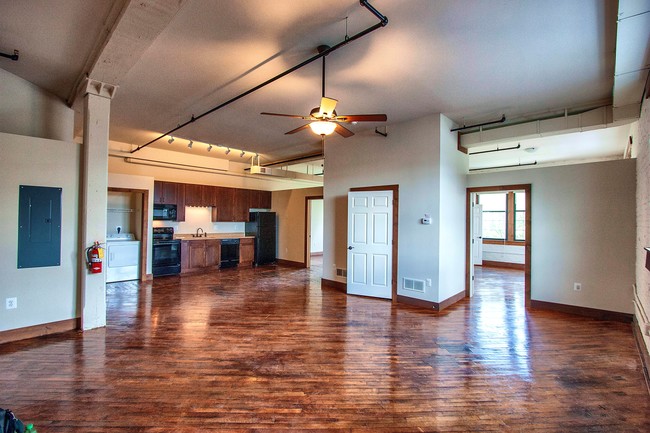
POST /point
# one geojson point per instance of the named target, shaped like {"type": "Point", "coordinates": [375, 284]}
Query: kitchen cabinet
{"type": "Point", "coordinates": [193, 194]}
{"type": "Point", "coordinates": [241, 204]}
{"type": "Point", "coordinates": [165, 192]}
{"type": "Point", "coordinates": [212, 253]}
{"type": "Point", "coordinates": [180, 202]}
{"type": "Point", "coordinates": [246, 251]}
{"type": "Point", "coordinates": [200, 255]}
{"type": "Point", "coordinates": [224, 209]}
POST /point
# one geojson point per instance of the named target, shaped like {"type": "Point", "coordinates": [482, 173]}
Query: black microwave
{"type": "Point", "coordinates": [165, 212]}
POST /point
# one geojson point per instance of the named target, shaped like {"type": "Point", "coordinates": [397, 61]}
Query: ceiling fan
{"type": "Point", "coordinates": [324, 119]}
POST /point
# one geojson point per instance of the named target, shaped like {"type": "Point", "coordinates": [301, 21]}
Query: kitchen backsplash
{"type": "Point", "coordinates": [200, 217]}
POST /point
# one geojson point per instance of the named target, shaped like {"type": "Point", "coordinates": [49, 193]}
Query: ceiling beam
{"type": "Point", "coordinates": [129, 30]}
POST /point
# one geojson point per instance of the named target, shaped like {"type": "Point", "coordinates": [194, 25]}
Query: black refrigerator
{"type": "Point", "coordinates": [262, 225]}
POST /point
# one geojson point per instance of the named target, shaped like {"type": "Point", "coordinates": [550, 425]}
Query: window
{"type": "Point", "coordinates": [504, 216]}
{"type": "Point", "coordinates": [520, 216]}
{"type": "Point", "coordinates": [494, 215]}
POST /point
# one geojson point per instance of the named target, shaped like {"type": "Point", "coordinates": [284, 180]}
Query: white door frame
{"type": "Point", "coordinates": [307, 250]}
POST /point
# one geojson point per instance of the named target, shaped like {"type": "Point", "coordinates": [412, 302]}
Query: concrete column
{"type": "Point", "coordinates": [94, 197]}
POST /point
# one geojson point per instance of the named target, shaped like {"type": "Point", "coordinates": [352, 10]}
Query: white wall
{"type": "Point", "coordinates": [410, 157]}
{"type": "Point", "coordinates": [316, 225]}
{"type": "Point", "coordinates": [31, 111]}
{"type": "Point", "coordinates": [583, 230]}
{"type": "Point", "coordinates": [47, 294]}
{"type": "Point", "coordinates": [643, 218]}
{"type": "Point", "coordinates": [453, 178]}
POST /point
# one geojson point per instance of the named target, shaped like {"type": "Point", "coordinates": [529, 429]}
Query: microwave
{"type": "Point", "coordinates": [164, 212]}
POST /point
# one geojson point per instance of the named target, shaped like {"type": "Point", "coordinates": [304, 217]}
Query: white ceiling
{"type": "Point", "coordinates": [471, 60]}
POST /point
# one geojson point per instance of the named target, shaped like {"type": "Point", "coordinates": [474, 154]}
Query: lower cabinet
{"type": "Point", "coordinates": [197, 255]}
{"type": "Point", "coordinates": [204, 254]}
{"type": "Point", "coordinates": [246, 251]}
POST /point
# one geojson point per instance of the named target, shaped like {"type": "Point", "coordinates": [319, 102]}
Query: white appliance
{"type": "Point", "coordinates": [122, 257]}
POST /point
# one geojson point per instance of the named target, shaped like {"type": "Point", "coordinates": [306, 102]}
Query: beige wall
{"type": "Point", "coordinates": [28, 110]}
{"type": "Point", "coordinates": [643, 220]}
{"type": "Point", "coordinates": [47, 294]}
{"type": "Point", "coordinates": [290, 208]}
{"type": "Point", "coordinates": [583, 230]}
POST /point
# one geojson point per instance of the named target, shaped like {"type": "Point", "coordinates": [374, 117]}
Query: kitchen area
{"type": "Point", "coordinates": [195, 228]}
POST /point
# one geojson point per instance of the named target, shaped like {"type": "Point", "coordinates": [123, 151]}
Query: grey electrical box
{"type": "Point", "coordinates": [39, 226]}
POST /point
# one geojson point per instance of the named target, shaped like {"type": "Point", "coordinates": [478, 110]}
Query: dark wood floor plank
{"type": "Point", "coordinates": [266, 349]}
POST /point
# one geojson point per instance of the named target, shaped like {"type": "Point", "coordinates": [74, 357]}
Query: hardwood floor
{"type": "Point", "coordinates": [265, 349]}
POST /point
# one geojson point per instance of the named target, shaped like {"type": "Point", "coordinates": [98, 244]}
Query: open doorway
{"type": "Point", "coordinates": [314, 233]}
{"type": "Point", "coordinates": [498, 241]}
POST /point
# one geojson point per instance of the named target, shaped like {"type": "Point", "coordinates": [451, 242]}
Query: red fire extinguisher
{"type": "Point", "coordinates": [94, 256]}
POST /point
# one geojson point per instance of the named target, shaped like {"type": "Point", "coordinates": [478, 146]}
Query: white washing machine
{"type": "Point", "coordinates": [122, 257]}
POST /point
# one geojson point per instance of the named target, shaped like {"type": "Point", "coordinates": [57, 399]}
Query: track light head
{"type": "Point", "coordinates": [171, 140]}
{"type": "Point", "coordinates": [209, 147]}
{"type": "Point", "coordinates": [189, 145]}
{"type": "Point", "coordinates": [241, 155]}
{"type": "Point", "coordinates": [227, 151]}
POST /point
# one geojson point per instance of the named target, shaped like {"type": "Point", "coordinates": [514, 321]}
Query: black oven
{"type": "Point", "coordinates": [166, 252]}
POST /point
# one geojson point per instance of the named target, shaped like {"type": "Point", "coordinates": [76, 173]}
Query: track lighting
{"type": "Point", "coordinates": [189, 145]}
{"type": "Point", "coordinates": [241, 155]}
{"type": "Point", "coordinates": [209, 147]}
{"type": "Point", "coordinates": [171, 140]}
{"type": "Point", "coordinates": [228, 151]}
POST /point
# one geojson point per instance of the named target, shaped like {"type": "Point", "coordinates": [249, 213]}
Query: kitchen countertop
{"type": "Point", "coordinates": [189, 237]}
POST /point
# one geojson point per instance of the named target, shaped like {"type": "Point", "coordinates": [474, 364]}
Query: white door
{"type": "Point", "coordinates": [477, 233]}
{"type": "Point", "coordinates": [370, 243]}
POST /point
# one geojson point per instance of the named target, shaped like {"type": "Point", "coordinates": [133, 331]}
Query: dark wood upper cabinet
{"type": "Point", "coordinates": [265, 199]}
{"type": "Point", "coordinates": [241, 204]}
{"type": "Point", "coordinates": [209, 195]}
{"type": "Point", "coordinates": [164, 192]}
{"type": "Point", "coordinates": [180, 202]}
{"type": "Point", "coordinates": [193, 194]}
{"type": "Point", "coordinates": [224, 210]}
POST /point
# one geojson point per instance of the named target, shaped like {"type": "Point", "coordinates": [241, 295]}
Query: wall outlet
{"type": "Point", "coordinates": [577, 287]}
{"type": "Point", "coordinates": [11, 303]}
{"type": "Point", "coordinates": [118, 229]}
{"type": "Point", "coordinates": [429, 283]}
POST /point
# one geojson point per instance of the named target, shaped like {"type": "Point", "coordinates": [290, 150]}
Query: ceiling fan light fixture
{"type": "Point", "coordinates": [322, 127]}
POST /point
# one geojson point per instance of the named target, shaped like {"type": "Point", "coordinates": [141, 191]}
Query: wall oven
{"type": "Point", "coordinates": [166, 252]}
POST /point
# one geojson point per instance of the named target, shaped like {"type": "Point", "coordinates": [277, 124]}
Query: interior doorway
{"type": "Point", "coordinates": [314, 231]}
{"type": "Point", "coordinates": [498, 238]}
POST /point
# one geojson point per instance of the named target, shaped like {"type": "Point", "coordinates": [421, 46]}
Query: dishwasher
{"type": "Point", "coordinates": [229, 253]}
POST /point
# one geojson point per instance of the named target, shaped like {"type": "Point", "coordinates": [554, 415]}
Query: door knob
{"type": "Point", "coordinates": [350, 247]}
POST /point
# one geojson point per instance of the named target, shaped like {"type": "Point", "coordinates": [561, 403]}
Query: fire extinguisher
{"type": "Point", "coordinates": [94, 256]}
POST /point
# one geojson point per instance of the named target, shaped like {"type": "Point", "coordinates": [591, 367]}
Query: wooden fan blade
{"type": "Point", "coordinates": [327, 106]}
{"type": "Point", "coordinates": [343, 131]}
{"type": "Point", "coordinates": [348, 118]}
{"type": "Point", "coordinates": [293, 131]}
{"type": "Point", "coordinates": [296, 116]}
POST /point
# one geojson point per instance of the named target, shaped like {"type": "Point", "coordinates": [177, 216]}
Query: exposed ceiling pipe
{"type": "Point", "coordinates": [382, 23]}
{"type": "Point", "coordinates": [480, 125]}
{"type": "Point", "coordinates": [504, 166]}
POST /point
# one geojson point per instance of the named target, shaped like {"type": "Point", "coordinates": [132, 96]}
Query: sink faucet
{"type": "Point", "coordinates": [197, 232]}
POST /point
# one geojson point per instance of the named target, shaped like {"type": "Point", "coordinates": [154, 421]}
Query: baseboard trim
{"type": "Point", "coordinates": [290, 263]}
{"type": "Point", "coordinates": [594, 313]}
{"type": "Point", "coordinates": [491, 264]}
{"type": "Point", "coordinates": [643, 351]}
{"type": "Point", "coordinates": [420, 303]}
{"type": "Point", "coordinates": [452, 300]}
{"type": "Point", "coordinates": [39, 330]}
{"type": "Point", "coordinates": [316, 254]}
{"type": "Point", "coordinates": [338, 285]}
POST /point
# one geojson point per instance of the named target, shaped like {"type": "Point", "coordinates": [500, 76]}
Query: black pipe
{"type": "Point", "coordinates": [503, 119]}
{"type": "Point", "coordinates": [13, 56]}
{"type": "Point", "coordinates": [496, 150]}
{"type": "Point", "coordinates": [323, 53]}
{"type": "Point", "coordinates": [503, 166]}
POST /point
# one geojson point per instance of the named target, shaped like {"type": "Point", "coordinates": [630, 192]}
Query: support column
{"type": "Point", "coordinates": [94, 197]}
